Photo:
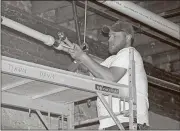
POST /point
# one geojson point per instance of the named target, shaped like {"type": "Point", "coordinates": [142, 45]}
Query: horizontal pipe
{"type": "Point", "coordinates": [153, 48]}
{"type": "Point", "coordinates": [170, 67]}
{"type": "Point", "coordinates": [171, 13]}
{"type": "Point", "coordinates": [166, 57]}
{"type": "Point", "coordinates": [47, 39]}
{"type": "Point", "coordinates": [145, 16]}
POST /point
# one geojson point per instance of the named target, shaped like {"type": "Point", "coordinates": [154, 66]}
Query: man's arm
{"type": "Point", "coordinates": [113, 73]}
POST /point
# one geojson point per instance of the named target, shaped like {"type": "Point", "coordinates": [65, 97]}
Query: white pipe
{"type": "Point", "coordinates": [47, 39]}
{"type": "Point", "coordinates": [145, 16]}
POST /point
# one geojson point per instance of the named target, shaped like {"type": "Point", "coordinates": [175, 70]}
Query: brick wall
{"type": "Point", "coordinates": [16, 45]}
{"type": "Point", "coordinates": [164, 102]}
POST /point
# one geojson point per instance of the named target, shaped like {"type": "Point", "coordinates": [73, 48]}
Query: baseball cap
{"type": "Point", "coordinates": [116, 27]}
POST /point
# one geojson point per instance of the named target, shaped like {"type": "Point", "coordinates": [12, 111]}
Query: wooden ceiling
{"type": "Point", "coordinates": [160, 50]}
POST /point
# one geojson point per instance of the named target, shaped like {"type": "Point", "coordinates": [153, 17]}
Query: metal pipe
{"type": "Point", "coordinates": [153, 48]}
{"type": "Point", "coordinates": [166, 57]}
{"type": "Point", "coordinates": [145, 16]}
{"type": "Point", "coordinates": [170, 67]}
{"type": "Point", "coordinates": [73, 67]}
{"type": "Point", "coordinates": [47, 39]}
{"type": "Point", "coordinates": [76, 22]}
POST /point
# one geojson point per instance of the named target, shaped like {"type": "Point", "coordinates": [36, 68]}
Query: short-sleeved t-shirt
{"type": "Point", "coordinates": [122, 60]}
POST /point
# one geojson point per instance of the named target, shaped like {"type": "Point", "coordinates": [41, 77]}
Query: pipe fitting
{"type": "Point", "coordinates": [50, 40]}
{"type": "Point", "coordinates": [58, 45]}
{"type": "Point", "coordinates": [61, 36]}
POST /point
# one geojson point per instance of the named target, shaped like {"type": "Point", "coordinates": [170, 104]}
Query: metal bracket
{"type": "Point", "coordinates": [110, 111]}
{"type": "Point", "coordinates": [45, 123]}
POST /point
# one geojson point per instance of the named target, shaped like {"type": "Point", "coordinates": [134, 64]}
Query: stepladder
{"type": "Point", "coordinates": [131, 112]}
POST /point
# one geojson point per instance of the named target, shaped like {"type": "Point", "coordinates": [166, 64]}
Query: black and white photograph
{"type": "Point", "coordinates": [90, 65]}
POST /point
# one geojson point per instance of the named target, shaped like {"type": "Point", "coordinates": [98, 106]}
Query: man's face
{"type": "Point", "coordinates": [117, 41]}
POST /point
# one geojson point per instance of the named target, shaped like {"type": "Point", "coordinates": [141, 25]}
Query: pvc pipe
{"type": "Point", "coordinates": [145, 16]}
{"type": "Point", "coordinates": [47, 39]}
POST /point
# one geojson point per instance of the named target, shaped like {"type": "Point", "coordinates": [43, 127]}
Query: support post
{"type": "Point", "coordinates": [49, 117]}
{"type": "Point", "coordinates": [45, 123]}
{"type": "Point", "coordinates": [71, 116]}
{"type": "Point", "coordinates": [110, 111]}
{"type": "Point", "coordinates": [132, 92]}
{"type": "Point", "coordinates": [62, 122]}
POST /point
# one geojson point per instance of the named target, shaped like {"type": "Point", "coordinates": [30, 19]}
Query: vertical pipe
{"type": "Point", "coordinates": [73, 67]}
{"type": "Point", "coordinates": [76, 22]}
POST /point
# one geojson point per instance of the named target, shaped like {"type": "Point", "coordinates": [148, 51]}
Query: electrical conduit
{"type": "Point", "coordinates": [47, 39]}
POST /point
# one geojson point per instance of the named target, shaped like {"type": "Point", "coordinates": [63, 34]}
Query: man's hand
{"type": "Point", "coordinates": [76, 52]}
{"type": "Point", "coordinates": [73, 49]}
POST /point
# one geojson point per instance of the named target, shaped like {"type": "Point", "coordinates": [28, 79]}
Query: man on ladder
{"type": "Point", "coordinates": [115, 69]}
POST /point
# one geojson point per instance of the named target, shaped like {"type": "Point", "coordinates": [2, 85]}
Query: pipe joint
{"type": "Point", "coordinates": [50, 40]}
